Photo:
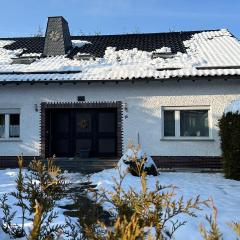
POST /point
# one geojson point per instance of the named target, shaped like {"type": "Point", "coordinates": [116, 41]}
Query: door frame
{"type": "Point", "coordinates": [45, 106]}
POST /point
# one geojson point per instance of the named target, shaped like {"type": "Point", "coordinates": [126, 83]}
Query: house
{"type": "Point", "coordinates": [74, 95]}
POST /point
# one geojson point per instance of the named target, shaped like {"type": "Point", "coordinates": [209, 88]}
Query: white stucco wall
{"type": "Point", "coordinates": [144, 111]}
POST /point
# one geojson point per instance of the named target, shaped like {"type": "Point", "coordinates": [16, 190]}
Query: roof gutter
{"type": "Point", "coordinates": [117, 81]}
{"type": "Point", "coordinates": [40, 72]}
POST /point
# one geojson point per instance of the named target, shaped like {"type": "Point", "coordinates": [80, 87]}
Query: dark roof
{"type": "Point", "coordinates": [145, 42]}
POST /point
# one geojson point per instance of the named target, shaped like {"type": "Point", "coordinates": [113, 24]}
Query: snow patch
{"type": "Point", "coordinates": [164, 50]}
{"type": "Point", "coordinates": [224, 192]}
{"type": "Point", "coordinates": [79, 43]}
{"type": "Point", "coordinates": [11, 173]}
{"type": "Point", "coordinates": [4, 43]}
{"type": "Point", "coordinates": [31, 55]}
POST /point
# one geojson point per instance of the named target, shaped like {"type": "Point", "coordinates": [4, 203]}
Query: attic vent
{"type": "Point", "coordinates": [57, 38]}
{"type": "Point", "coordinates": [84, 56]}
{"type": "Point", "coordinates": [164, 52]}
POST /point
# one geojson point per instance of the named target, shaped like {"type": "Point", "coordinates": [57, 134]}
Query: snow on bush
{"type": "Point", "coordinates": [4, 236]}
{"type": "Point", "coordinates": [234, 107]}
{"type": "Point", "coordinates": [133, 157]}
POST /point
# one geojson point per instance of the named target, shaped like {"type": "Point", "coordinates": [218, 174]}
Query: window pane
{"type": "Point", "coordinates": [14, 125]}
{"type": "Point", "coordinates": [194, 123]}
{"type": "Point", "coordinates": [2, 125]}
{"type": "Point", "coordinates": [169, 123]}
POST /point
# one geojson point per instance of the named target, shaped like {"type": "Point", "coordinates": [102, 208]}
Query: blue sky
{"type": "Point", "coordinates": [23, 17]}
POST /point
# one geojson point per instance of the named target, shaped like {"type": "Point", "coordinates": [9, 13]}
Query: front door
{"type": "Point", "coordinates": [76, 130]}
{"type": "Point", "coordinates": [60, 133]}
{"type": "Point", "coordinates": [106, 133]}
{"type": "Point", "coordinates": [85, 132]}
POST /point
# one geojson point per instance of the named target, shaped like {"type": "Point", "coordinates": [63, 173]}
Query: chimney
{"type": "Point", "coordinates": [57, 37]}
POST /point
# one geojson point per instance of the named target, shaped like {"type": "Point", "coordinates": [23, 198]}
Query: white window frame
{"type": "Point", "coordinates": [177, 110]}
{"type": "Point", "coordinates": [7, 112]}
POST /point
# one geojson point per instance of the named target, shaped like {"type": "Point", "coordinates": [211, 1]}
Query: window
{"type": "Point", "coordinates": [14, 126]}
{"type": "Point", "coordinates": [194, 123]}
{"type": "Point", "coordinates": [169, 123]}
{"type": "Point", "coordinates": [185, 122]}
{"type": "Point", "coordinates": [2, 125]}
{"type": "Point", "coordinates": [9, 124]}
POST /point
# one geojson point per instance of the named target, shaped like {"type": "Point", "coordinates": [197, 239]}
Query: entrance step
{"type": "Point", "coordinates": [86, 166]}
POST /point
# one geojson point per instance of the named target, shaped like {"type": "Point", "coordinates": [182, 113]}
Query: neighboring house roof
{"type": "Point", "coordinates": [123, 57]}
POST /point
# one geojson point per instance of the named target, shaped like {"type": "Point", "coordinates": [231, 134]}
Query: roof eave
{"type": "Point", "coordinates": [134, 80]}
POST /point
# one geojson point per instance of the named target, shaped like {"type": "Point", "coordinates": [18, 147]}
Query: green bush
{"type": "Point", "coordinates": [229, 133]}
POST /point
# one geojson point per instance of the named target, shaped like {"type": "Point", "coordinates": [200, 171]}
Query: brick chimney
{"type": "Point", "coordinates": [57, 37]}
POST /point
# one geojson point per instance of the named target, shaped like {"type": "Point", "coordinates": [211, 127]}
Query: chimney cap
{"type": "Point", "coordinates": [57, 17]}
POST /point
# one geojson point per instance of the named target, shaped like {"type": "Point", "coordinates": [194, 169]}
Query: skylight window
{"type": "Point", "coordinates": [26, 58]}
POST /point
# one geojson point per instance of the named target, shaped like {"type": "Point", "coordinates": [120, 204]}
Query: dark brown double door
{"type": "Point", "coordinates": [74, 132]}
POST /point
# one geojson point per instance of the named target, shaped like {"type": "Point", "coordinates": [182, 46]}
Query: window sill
{"type": "Point", "coordinates": [10, 140]}
{"type": "Point", "coordinates": [187, 139]}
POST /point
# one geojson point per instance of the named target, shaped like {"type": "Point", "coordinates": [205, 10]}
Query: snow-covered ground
{"type": "Point", "coordinates": [225, 193]}
{"type": "Point", "coordinates": [7, 185]}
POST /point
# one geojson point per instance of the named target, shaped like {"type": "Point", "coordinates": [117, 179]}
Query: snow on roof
{"type": "Point", "coordinates": [164, 50]}
{"type": "Point", "coordinates": [31, 55]}
{"type": "Point", "coordinates": [209, 53]}
{"type": "Point", "coordinates": [79, 43]}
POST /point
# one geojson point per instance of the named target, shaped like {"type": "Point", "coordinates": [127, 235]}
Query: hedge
{"type": "Point", "coordinates": [229, 133]}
